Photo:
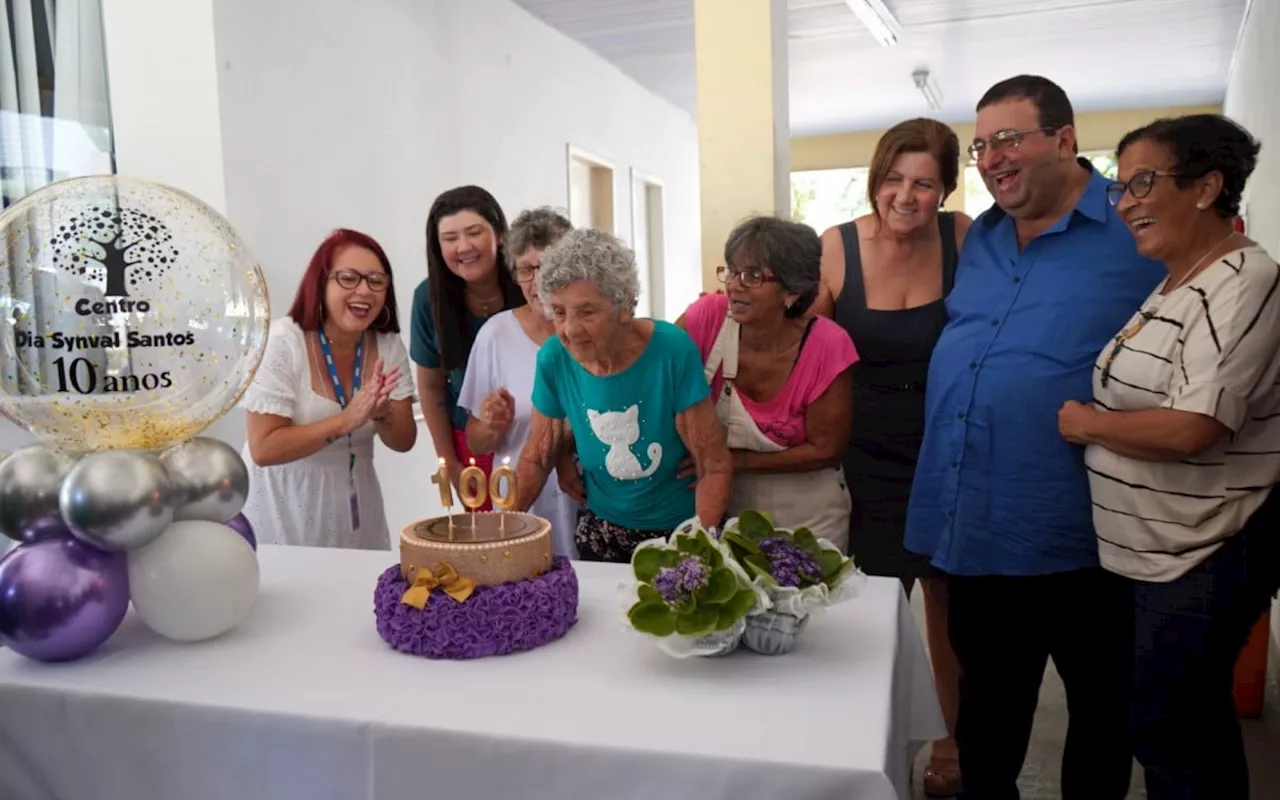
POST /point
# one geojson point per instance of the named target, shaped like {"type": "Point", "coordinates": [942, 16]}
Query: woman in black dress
{"type": "Point", "coordinates": [886, 276]}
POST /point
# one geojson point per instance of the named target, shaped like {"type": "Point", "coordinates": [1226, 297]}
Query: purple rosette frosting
{"type": "Point", "coordinates": [494, 620]}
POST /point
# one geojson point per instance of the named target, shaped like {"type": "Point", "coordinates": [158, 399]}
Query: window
{"type": "Point", "coordinates": [822, 198]}
{"type": "Point", "coordinates": [977, 199]}
{"type": "Point", "coordinates": [55, 119]}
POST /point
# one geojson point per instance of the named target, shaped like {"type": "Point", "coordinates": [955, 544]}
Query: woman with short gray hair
{"type": "Point", "coordinates": [780, 377]}
{"type": "Point", "coordinates": [633, 393]}
{"type": "Point", "coordinates": [500, 371]}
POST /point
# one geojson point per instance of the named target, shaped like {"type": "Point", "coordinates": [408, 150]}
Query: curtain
{"type": "Point", "coordinates": [55, 123]}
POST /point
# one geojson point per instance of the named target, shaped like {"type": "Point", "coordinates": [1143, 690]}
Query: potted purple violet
{"type": "Point", "coordinates": [691, 594]}
{"type": "Point", "coordinates": [797, 571]}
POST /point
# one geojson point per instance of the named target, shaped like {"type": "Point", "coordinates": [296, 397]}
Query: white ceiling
{"type": "Point", "coordinates": [1107, 54]}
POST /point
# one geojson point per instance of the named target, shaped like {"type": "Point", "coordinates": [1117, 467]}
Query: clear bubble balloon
{"type": "Point", "coordinates": [131, 315]}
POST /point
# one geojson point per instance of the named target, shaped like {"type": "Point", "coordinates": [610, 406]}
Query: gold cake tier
{"type": "Point", "coordinates": [490, 548]}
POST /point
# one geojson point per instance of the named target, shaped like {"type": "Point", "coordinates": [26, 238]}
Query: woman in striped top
{"type": "Point", "coordinates": [1183, 449]}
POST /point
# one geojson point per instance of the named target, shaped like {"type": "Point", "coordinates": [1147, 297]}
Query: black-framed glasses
{"type": "Point", "coordinates": [1139, 185]}
{"type": "Point", "coordinates": [527, 273]}
{"type": "Point", "coordinates": [1004, 140]}
{"type": "Point", "coordinates": [350, 279]}
{"type": "Point", "coordinates": [750, 277]}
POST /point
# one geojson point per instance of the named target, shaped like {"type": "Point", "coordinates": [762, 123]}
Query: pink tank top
{"type": "Point", "coordinates": [827, 352]}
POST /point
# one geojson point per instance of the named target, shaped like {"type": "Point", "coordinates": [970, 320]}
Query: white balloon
{"type": "Point", "coordinates": [196, 581]}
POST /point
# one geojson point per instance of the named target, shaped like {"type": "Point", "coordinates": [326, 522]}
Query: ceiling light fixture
{"type": "Point", "coordinates": [878, 20]}
{"type": "Point", "coordinates": [929, 88]}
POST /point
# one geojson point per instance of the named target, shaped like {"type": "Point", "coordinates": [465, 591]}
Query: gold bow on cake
{"type": "Point", "coordinates": [445, 577]}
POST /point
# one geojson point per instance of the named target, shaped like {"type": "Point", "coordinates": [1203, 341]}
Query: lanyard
{"type": "Point", "coordinates": [338, 393]}
{"type": "Point", "coordinates": [341, 397]}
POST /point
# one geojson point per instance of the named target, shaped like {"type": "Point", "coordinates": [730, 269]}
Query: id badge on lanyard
{"type": "Point", "coordinates": [341, 397]}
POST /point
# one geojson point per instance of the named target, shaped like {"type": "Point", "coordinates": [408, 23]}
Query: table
{"type": "Point", "coordinates": [305, 701]}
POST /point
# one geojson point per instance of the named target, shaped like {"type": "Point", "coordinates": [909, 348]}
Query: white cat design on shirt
{"type": "Point", "coordinates": [618, 430]}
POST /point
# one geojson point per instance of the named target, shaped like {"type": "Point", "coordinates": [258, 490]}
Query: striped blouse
{"type": "Point", "coordinates": [1211, 347]}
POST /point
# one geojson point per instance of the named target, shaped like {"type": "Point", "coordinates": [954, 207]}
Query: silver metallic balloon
{"type": "Point", "coordinates": [117, 499]}
{"type": "Point", "coordinates": [210, 480]}
{"type": "Point", "coordinates": [29, 481]}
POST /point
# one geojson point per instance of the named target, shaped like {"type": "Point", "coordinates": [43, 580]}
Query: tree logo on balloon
{"type": "Point", "coordinates": [115, 246]}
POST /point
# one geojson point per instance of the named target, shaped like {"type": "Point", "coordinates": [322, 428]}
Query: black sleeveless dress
{"type": "Point", "coordinates": [894, 348]}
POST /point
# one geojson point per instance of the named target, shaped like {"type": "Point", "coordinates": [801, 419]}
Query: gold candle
{"type": "Point", "coordinates": [441, 478]}
{"type": "Point", "coordinates": [503, 501]}
{"type": "Point", "coordinates": [472, 487]}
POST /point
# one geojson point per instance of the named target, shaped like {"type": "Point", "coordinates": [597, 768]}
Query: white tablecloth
{"type": "Point", "coordinates": [305, 701]}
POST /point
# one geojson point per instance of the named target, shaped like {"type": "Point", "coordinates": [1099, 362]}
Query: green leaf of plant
{"type": "Point", "coordinates": [829, 562]}
{"type": "Point", "coordinates": [648, 594]}
{"type": "Point", "coordinates": [725, 618]}
{"type": "Point", "coordinates": [757, 564]}
{"type": "Point", "coordinates": [742, 602]}
{"type": "Point", "coordinates": [832, 580]}
{"type": "Point", "coordinates": [754, 525]}
{"type": "Point", "coordinates": [805, 539]}
{"type": "Point", "coordinates": [697, 623]}
{"type": "Point", "coordinates": [685, 544]}
{"type": "Point", "coordinates": [652, 618]}
{"type": "Point", "coordinates": [714, 559]}
{"type": "Point", "coordinates": [701, 546]}
{"type": "Point", "coordinates": [646, 564]}
{"type": "Point", "coordinates": [722, 585]}
{"type": "Point", "coordinates": [739, 542]}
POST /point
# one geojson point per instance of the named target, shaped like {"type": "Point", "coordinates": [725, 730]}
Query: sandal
{"type": "Point", "coordinates": [942, 779]}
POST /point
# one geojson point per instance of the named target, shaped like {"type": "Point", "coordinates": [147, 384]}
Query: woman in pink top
{"type": "Point", "coordinates": [780, 378]}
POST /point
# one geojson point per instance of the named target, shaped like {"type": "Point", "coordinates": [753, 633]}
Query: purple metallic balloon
{"type": "Point", "coordinates": [44, 528]}
{"type": "Point", "coordinates": [60, 599]}
{"type": "Point", "coordinates": [240, 524]}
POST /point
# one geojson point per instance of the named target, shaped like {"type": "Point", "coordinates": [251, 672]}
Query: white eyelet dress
{"type": "Point", "coordinates": [308, 502]}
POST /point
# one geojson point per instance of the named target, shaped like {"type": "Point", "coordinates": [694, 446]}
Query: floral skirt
{"type": "Point", "coordinates": [601, 540]}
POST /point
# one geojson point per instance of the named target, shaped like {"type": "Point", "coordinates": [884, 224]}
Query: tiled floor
{"type": "Point", "coordinates": [1039, 779]}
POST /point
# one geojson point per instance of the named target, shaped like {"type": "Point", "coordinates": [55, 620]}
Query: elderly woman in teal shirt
{"type": "Point", "coordinates": [633, 393]}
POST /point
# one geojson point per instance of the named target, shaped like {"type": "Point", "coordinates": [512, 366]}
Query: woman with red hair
{"type": "Point", "coordinates": [334, 377]}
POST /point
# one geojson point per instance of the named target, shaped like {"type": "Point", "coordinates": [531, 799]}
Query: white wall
{"type": "Point", "coordinates": [1251, 101]}
{"type": "Point", "coordinates": [359, 114]}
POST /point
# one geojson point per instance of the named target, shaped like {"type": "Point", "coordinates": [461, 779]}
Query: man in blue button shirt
{"type": "Point", "coordinates": [1000, 501]}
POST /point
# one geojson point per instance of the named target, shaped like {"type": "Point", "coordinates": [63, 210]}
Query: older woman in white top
{"type": "Point", "coordinates": [498, 389]}
{"type": "Point", "coordinates": [335, 377]}
{"type": "Point", "coordinates": [1183, 449]}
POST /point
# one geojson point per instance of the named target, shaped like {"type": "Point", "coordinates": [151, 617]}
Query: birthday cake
{"type": "Point", "coordinates": [488, 548]}
{"type": "Point", "coordinates": [476, 585]}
